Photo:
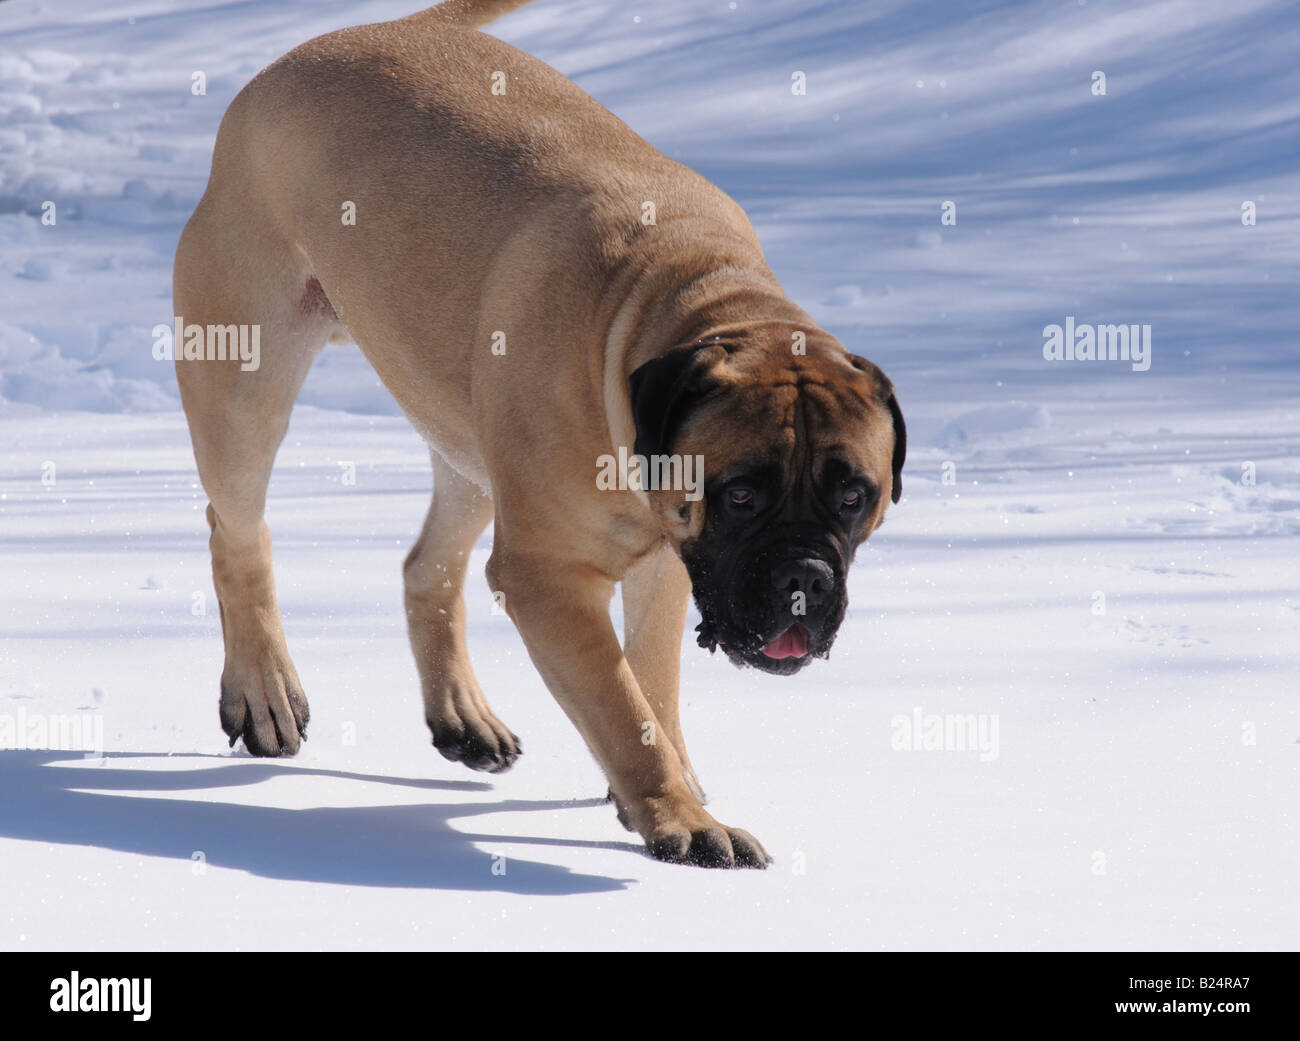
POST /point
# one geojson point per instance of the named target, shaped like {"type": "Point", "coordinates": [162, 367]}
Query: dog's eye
{"type": "Point", "coordinates": [741, 498]}
{"type": "Point", "coordinates": [855, 499]}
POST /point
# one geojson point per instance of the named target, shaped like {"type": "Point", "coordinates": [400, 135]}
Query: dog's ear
{"type": "Point", "coordinates": [900, 444]}
{"type": "Point", "coordinates": [663, 390]}
{"type": "Point", "coordinates": [886, 393]}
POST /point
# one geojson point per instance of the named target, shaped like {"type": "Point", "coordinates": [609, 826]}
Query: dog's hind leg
{"type": "Point", "coordinates": [465, 729]}
{"type": "Point", "coordinates": [232, 268]}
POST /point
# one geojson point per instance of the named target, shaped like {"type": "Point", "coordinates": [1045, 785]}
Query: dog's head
{"type": "Point", "coordinates": [802, 453]}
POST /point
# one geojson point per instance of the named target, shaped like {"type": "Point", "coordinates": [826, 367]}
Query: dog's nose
{"type": "Point", "coordinates": [813, 578]}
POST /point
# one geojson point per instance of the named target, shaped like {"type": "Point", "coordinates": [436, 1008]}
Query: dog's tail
{"type": "Point", "coordinates": [473, 14]}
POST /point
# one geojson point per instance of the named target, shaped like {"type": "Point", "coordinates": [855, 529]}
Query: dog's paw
{"type": "Point", "coordinates": [265, 705]}
{"type": "Point", "coordinates": [478, 746]}
{"type": "Point", "coordinates": [680, 831]}
{"type": "Point", "coordinates": [469, 733]}
{"type": "Point", "coordinates": [464, 727]}
{"type": "Point", "coordinates": [715, 847]}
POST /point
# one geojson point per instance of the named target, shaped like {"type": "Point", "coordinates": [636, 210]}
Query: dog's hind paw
{"type": "Point", "coordinates": [266, 707]}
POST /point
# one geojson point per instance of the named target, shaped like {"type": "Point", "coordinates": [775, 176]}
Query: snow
{"type": "Point", "coordinates": [1098, 561]}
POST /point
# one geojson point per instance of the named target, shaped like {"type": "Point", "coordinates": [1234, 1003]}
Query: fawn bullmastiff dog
{"type": "Point", "coordinates": [542, 292]}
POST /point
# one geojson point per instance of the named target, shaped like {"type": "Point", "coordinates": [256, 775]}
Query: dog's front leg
{"type": "Point", "coordinates": [562, 611]}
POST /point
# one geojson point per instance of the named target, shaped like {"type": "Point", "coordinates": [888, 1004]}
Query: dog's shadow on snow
{"type": "Point", "coordinates": [410, 846]}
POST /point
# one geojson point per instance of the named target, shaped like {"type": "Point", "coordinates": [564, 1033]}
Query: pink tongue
{"type": "Point", "coordinates": [793, 643]}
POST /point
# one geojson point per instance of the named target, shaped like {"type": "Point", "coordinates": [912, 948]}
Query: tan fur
{"type": "Point", "coordinates": [479, 213]}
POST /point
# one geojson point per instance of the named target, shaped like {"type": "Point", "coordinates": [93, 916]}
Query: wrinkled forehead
{"type": "Point", "coordinates": [843, 420]}
{"type": "Point", "coordinates": [795, 426]}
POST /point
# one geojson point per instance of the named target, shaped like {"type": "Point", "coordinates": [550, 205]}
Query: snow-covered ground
{"type": "Point", "coordinates": [1097, 564]}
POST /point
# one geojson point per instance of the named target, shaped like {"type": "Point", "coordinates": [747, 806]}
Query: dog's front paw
{"type": "Point", "coordinates": [681, 833]}
{"type": "Point", "coordinates": [264, 704]}
{"type": "Point", "coordinates": [715, 846]}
